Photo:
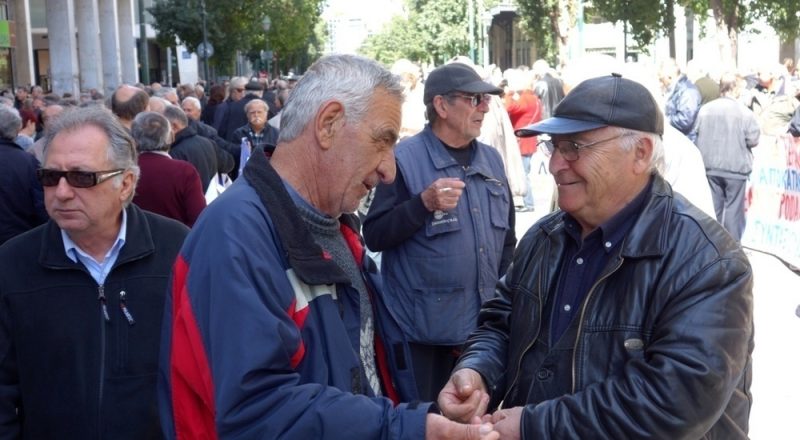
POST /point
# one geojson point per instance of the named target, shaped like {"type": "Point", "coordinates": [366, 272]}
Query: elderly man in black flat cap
{"type": "Point", "coordinates": [626, 314]}
{"type": "Point", "coordinates": [445, 226]}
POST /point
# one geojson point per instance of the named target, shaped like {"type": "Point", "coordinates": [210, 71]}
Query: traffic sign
{"type": "Point", "coordinates": [205, 50]}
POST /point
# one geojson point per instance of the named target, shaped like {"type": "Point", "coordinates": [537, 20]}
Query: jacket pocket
{"type": "Point", "coordinates": [438, 312]}
{"type": "Point", "coordinates": [498, 205]}
{"type": "Point", "coordinates": [442, 222]}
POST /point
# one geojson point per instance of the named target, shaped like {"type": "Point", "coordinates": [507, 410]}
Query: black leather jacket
{"type": "Point", "coordinates": [665, 339]}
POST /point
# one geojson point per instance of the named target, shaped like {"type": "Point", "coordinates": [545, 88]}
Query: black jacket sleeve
{"type": "Point", "coordinates": [394, 216]}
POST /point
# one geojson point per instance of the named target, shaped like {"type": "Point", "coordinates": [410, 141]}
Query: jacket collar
{"type": "Point", "coordinates": [442, 159]}
{"type": "Point", "coordinates": [10, 144]}
{"type": "Point", "coordinates": [187, 131]}
{"type": "Point", "coordinates": [304, 254]}
{"type": "Point", "coordinates": [138, 242]}
{"type": "Point", "coordinates": [649, 236]}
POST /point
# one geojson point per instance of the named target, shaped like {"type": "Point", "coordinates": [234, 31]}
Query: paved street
{"type": "Point", "coordinates": [776, 382]}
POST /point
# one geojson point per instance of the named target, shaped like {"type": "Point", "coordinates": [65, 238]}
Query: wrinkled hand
{"type": "Point", "coordinates": [506, 422]}
{"type": "Point", "coordinates": [439, 428]}
{"type": "Point", "coordinates": [464, 397]}
{"type": "Point", "coordinates": [443, 194]}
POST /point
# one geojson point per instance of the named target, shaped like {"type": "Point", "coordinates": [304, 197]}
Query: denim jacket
{"type": "Point", "coordinates": [437, 280]}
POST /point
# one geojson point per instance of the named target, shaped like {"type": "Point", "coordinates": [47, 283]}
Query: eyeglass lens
{"type": "Point", "coordinates": [568, 149]}
{"type": "Point", "coordinates": [479, 98]}
{"type": "Point", "coordinates": [474, 100]}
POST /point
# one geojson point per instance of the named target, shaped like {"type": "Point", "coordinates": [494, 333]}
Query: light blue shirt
{"type": "Point", "coordinates": [98, 271]}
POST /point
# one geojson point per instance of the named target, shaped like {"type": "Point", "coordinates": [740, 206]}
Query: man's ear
{"type": "Point", "coordinates": [644, 154]}
{"type": "Point", "coordinates": [128, 181]}
{"type": "Point", "coordinates": [439, 106]}
{"type": "Point", "coordinates": [329, 120]}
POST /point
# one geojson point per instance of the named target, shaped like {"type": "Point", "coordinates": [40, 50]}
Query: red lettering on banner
{"type": "Point", "coordinates": [793, 153]}
{"type": "Point", "coordinates": [790, 207]}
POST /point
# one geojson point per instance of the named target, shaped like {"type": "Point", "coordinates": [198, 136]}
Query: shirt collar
{"type": "Point", "coordinates": [71, 249]}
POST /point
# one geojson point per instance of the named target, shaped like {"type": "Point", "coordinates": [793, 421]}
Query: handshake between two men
{"type": "Point", "coordinates": [465, 399]}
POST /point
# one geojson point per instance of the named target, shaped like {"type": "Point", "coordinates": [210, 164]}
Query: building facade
{"type": "Point", "coordinates": [69, 46]}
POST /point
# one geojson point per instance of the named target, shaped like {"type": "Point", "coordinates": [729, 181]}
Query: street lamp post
{"type": "Point", "coordinates": [266, 24]}
{"type": "Point", "coordinates": [205, 51]}
{"type": "Point", "coordinates": [145, 55]}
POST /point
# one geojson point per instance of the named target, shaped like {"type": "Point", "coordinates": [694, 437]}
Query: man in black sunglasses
{"type": "Point", "coordinates": [445, 226]}
{"type": "Point", "coordinates": [82, 296]}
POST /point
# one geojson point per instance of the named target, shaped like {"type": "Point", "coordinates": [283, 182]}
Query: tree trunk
{"type": "Point", "coordinates": [727, 33]}
{"type": "Point", "coordinates": [733, 37]}
{"type": "Point", "coordinates": [564, 21]}
{"type": "Point", "coordinates": [670, 12]}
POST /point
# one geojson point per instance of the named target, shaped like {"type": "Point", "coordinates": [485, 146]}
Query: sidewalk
{"type": "Point", "coordinates": [776, 359]}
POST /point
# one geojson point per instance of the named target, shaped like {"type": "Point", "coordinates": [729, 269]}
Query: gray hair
{"type": "Point", "coordinates": [10, 122]}
{"type": "Point", "coordinates": [158, 104]}
{"type": "Point", "coordinates": [151, 131]}
{"type": "Point", "coordinates": [121, 149]}
{"type": "Point", "coordinates": [349, 79]}
{"type": "Point", "coordinates": [237, 82]}
{"type": "Point", "coordinates": [164, 91]}
{"type": "Point", "coordinates": [253, 102]}
{"type": "Point", "coordinates": [193, 101]}
{"type": "Point", "coordinates": [657, 164]}
{"type": "Point", "coordinates": [176, 115]}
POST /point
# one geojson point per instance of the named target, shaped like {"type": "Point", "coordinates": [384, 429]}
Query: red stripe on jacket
{"type": "Point", "coordinates": [190, 374]}
{"type": "Point", "coordinates": [299, 318]}
{"type": "Point", "coordinates": [381, 360]}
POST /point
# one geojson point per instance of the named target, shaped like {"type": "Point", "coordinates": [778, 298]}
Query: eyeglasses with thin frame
{"type": "Point", "coordinates": [474, 100]}
{"type": "Point", "coordinates": [76, 179]}
{"type": "Point", "coordinates": [570, 149]}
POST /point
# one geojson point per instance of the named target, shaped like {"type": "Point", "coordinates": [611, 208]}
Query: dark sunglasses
{"type": "Point", "coordinates": [474, 100]}
{"type": "Point", "coordinates": [76, 179]}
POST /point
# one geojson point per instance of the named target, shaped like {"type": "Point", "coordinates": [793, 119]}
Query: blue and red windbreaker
{"type": "Point", "coordinates": [260, 337]}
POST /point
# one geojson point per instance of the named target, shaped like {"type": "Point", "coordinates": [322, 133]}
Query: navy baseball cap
{"type": "Point", "coordinates": [600, 102]}
{"type": "Point", "coordinates": [456, 77]}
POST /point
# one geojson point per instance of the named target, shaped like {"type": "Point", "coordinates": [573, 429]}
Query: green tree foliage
{"type": "Point", "coordinates": [548, 22]}
{"type": "Point", "coordinates": [782, 15]}
{"type": "Point", "coordinates": [435, 31]}
{"type": "Point", "coordinates": [442, 26]}
{"type": "Point", "coordinates": [233, 26]}
{"type": "Point", "coordinates": [645, 19]}
{"type": "Point", "coordinates": [397, 40]}
{"type": "Point", "coordinates": [730, 17]}
{"type": "Point", "coordinates": [648, 20]}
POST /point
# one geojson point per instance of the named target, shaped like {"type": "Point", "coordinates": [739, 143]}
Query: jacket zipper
{"type": "Point", "coordinates": [533, 340]}
{"type": "Point", "coordinates": [104, 320]}
{"type": "Point", "coordinates": [123, 306]}
{"type": "Point", "coordinates": [580, 323]}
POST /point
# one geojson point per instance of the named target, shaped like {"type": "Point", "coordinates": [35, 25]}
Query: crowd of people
{"type": "Point", "coordinates": [336, 256]}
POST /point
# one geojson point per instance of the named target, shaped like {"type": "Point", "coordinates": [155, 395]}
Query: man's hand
{"type": "Point", "coordinates": [439, 428]}
{"type": "Point", "coordinates": [464, 397]}
{"type": "Point", "coordinates": [506, 422]}
{"type": "Point", "coordinates": [443, 194]}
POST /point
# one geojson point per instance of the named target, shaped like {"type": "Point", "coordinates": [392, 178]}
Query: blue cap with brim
{"type": "Point", "coordinates": [600, 102]}
{"type": "Point", "coordinates": [558, 125]}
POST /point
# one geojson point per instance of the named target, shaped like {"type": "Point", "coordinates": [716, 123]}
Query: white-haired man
{"type": "Point", "coordinates": [626, 314]}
